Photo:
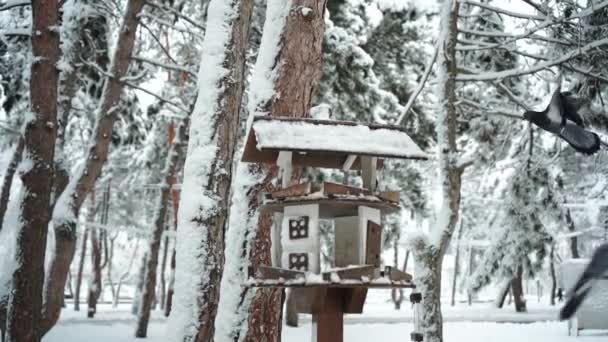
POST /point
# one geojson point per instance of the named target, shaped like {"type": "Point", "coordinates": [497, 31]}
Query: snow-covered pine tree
{"type": "Point", "coordinates": [429, 250]}
{"type": "Point", "coordinates": [25, 301]}
{"type": "Point", "coordinates": [180, 89]}
{"type": "Point", "coordinates": [289, 64]}
{"type": "Point", "coordinates": [68, 205]}
{"type": "Point", "coordinates": [203, 213]}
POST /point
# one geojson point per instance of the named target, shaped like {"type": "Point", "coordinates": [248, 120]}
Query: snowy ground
{"type": "Point", "coordinates": [481, 322]}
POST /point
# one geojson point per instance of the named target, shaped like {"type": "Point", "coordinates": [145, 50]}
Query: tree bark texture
{"type": "Point", "coordinates": [95, 280]}
{"type": "Point", "coordinates": [80, 185]}
{"type": "Point", "coordinates": [162, 291]}
{"type": "Point", "coordinates": [397, 294]}
{"type": "Point", "coordinates": [172, 264]}
{"type": "Point", "coordinates": [429, 251]}
{"type": "Point", "coordinates": [518, 290]}
{"type": "Point", "coordinates": [141, 273]}
{"type": "Point", "coordinates": [573, 240]}
{"type": "Point", "coordinates": [294, 39]}
{"type": "Point", "coordinates": [300, 69]}
{"type": "Point", "coordinates": [552, 274]}
{"type": "Point", "coordinates": [83, 253]}
{"type": "Point", "coordinates": [171, 287]}
{"type": "Point", "coordinates": [174, 155]}
{"type": "Point", "coordinates": [456, 265]}
{"type": "Point", "coordinates": [7, 181]}
{"type": "Point", "coordinates": [25, 301]}
{"type": "Point", "coordinates": [203, 211]}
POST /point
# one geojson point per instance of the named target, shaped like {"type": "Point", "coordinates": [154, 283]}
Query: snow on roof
{"type": "Point", "coordinates": [337, 139]}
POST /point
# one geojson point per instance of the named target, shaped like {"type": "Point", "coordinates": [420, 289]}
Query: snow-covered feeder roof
{"type": "Point", "coordinates": [326, 143]}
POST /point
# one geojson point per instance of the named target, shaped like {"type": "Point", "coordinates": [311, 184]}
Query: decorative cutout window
{"type": "Point", "coordinates": [298, 261]}
{"type": "Point", "coordinates": [298, 228]}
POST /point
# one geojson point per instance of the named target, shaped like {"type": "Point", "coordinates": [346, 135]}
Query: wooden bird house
{"type": "Point", "coordinates": [356, 213]}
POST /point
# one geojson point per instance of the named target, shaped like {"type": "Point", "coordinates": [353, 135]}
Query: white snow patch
{"type": "Point", "coordinates": [357, 139]}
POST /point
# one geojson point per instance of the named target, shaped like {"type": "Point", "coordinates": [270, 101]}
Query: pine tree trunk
{"type": "Point", "coordinates": [469, 273]}
{"type": "Point", "coordinates": [171, 289]}
{"type": "Point", "coordinates": [110, 277]}
{"type": "Point", "coordinates": [429, 251]}
{"type": "Point", "coordinates": [456, 265]}
{"type": "Point", "coordinates": [573, 240]}
{"type": "Point", "coordinates": [148, 292]}
{"type": "Point", "coordinates": [70, 202]}
{"type": "Point", "coordinates": [518, 291]}
{"type": "Point", "coordinates": [296, 72]}
{"type": "Point", "coordinates": [553, 277]}
{"type": "Point", "coordinates": [397, 294]}
{"type": "Point", "coordinates": [7, 182]}
{"type": "Point", "coordinates": [24, 308]}
{"type": "Point", "coordinates": [502, 295]}
{"type": "Point", "coordinates": [428, 264]}
{"type": "Point", "coordinates": [141, 273]}
{"type": "Point", "coordinates": [95, 281]}
{"type": "Point", "coordinates": [124, 275]}
{"type": "Point", "coordinates": [163, 266]}
{"type": "Point", "coordinates": [171, 286]}
{"type": "Point", "coordinates": [83, 252]}
{"type": "Point", "coordinates": [213, 133]}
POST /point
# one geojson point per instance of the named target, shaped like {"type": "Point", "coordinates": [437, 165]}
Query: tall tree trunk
{"type": "Point", "coordinates": [206, 184]}
{"type": "Point", "coordinates": [469, 273]}
{"type": "Point", "coordinates": [83, 253]}
{"type": "Point", "coordinates": [110, 277]}
{"type": "Point", "coordinates": [573, 240]}
{"type": "Point", "coordinates": [397, 294]}
{"type": "Point", "coordinates": [502, 294]}
{"type": "Point", "coordinates": [292, 41]}
{"type": "Point", "coordinates": [552, 273]}
{"type": "Point", "coordinates": [456, 264]}
{"type": "Point", "coordinates": [36, 171]}
{"type": "Point", "coordinates": [163, 267]}
{"type": "Point", "coordinates": [518, 290]}
{"type": "Point", "coordinates": [171, 289]}
{"type": "Point", "coordinates": [124, 276]}
{"type": "Point", "coordinates": [7, 182]}
{"type": "Point", "coordinates": [70, 202]}
{"type": "Point", "coordinates": [429, 251]}
{"type": "Point", "coordinates": [141, 273]}
{"type": "Point", "coordinates": [95, 281]}
{"type": "Point", "coordinates": [148, 292]}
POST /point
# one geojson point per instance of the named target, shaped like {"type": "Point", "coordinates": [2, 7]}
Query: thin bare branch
{"type": "Point", "coordinates": [175, 12]}
{"type": "Point", "coordinates": [504, 11]}
{"type": "Point", "coordinates": [159, 97]}
{"type": "Point", "coordinates": [492, 76]}
{"type": "Point", "coordinates": [425, 76]}
{"type": "Point", "coordinates": [165, 66]}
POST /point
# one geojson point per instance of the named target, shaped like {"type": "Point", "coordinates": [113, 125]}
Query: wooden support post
{"type": "Point", "coordinates": [284, 163]}
{"type": "Point", "coordinates": [368, 172]}
{"type": "Point", "coordinates": [348, 163]}
{"type": "Point", "coordinates": [328, 324]}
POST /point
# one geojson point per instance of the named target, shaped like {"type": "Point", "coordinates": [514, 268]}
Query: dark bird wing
{"type": "Point", "coordinates": [554, 111]}
{"type": "Point", "coordinates": [579, 138]}
{"type": "Point", "coordinates": [597, 267]}
{"type": "Point", "coordinates": [571, 106]}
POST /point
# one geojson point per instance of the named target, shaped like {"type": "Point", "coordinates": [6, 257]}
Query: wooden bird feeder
{"type": "Point", "coordinates": [356, 214]}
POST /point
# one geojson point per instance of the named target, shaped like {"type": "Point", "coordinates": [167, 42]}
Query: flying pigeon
{"type": "Point", "coordinates": [596, 269]}
{"type": "Point", "coordinates": [562, 119]}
